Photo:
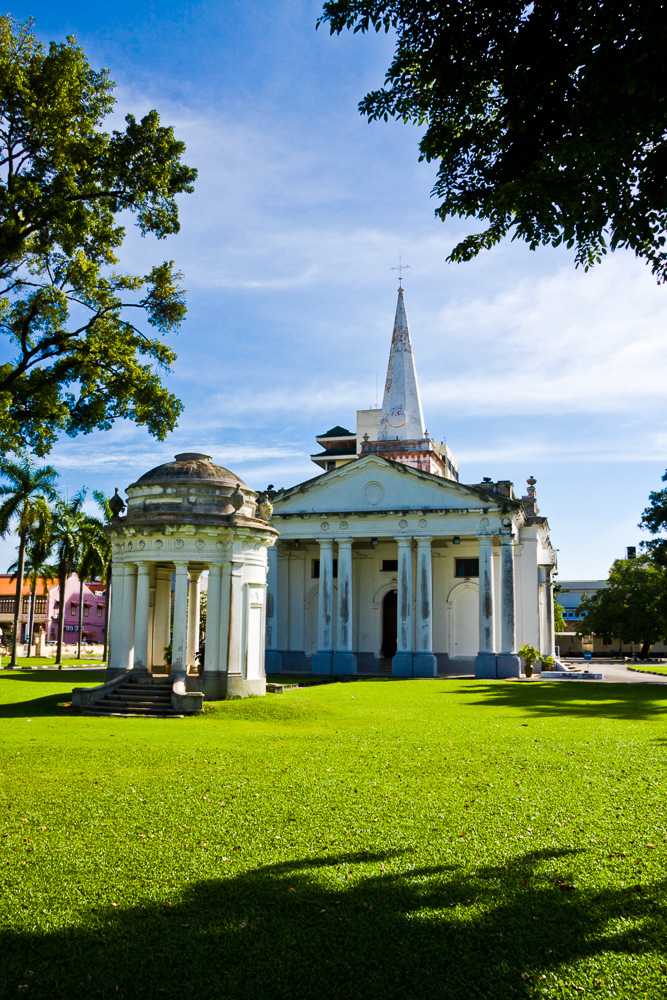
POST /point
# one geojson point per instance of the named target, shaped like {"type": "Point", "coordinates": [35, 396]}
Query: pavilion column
{"type": "Point", "coordinates": [194, 617]}
{"type": "Point", "coordinates": [215, 681]}
{"type": "Point", "coordinates": [344, 659]}
{"type": "Point", "coordinates": [116, 664]}
{"type": "Point", "coordinates": [274, 656]}
{"type": "Point", "coordinates": [425, 663]}
{"type": "Point", "coordinates": [127, 617]}
{"type": "Point", "coordinates": [141, 617]}
{"type": "Point", "coordinates": [402, 664]}
{"type": "Point", "coordinates": [322, 660]}
{"type": "Point", "coordinates": [508, 662]}
{"type": "Point", "coordinates": [179, 666]}
{"type": "Point", "coordinates": [485, 662]}
{"type": "Point", "coordinates": [161, 616]}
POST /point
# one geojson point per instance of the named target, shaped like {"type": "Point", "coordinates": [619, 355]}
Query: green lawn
{"type": "Point", "coordinates": [443, 840]}
{"type": "Point", "coordinates": [662, 671]}
{"type": "Point", "coordinates": [49, 661]}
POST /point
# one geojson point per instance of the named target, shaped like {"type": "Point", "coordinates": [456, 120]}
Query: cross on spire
{"type": "Point", "coordinates": [401, 267]}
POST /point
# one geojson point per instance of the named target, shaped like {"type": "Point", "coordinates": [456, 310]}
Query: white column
{"type": "Point", "coordinates": [344, 659]}
{"type": "Point", "coordinates": [161, 615]}
{"type": "Point", "coordinates": [425, 662]}
{"type": "Point", "coordinates": [235, 661]}
{"type": "Point", "coordinates": [194, 614]}
{"type": "Point", "coordinates": [485, 664]}
{"type": "Point", "coordinates": [179, 633]}
{"type": "Point", "coordinates": [509, 664]}
{"type": "Point", "coordinates": [225, 605]}
{"type": "Point", "coordinates": [273, 651]}
{"type": "Point", "coordinates": [322, 660]}
{"type": "Point", "coordinates": [402, 664]}
{"type": "Point", "coordinates": [141, 617]}
{"type": "Point", "coordinates": [212, 637]}
{"type": "Point", "coordinates": [116, 618]}
{"type": "Point", "coordinates": [127, 617]}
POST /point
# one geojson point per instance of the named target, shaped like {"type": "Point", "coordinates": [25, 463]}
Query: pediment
{"type": "Point", "coordinates": [373, 483]}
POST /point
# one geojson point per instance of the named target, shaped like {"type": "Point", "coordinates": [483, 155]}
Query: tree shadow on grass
{"type": "Point", "coordinates": [50, 704]}
{"type": "Point", "coordinates": [294, 930]}
{"type": "Point", "coordinates": [90, 675]}
{"type": "Point", "coordinates": [581, 699]}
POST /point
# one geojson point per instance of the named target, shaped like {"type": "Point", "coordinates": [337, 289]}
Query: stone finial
{"type": "Point", "coordinates": [532, 482]}
{"type": "Point", "coordinates": [116, 504]}
{"type": "Point", "coordinates": [237, 499]}
{"type": "Point", "coordinates": [264, 507]}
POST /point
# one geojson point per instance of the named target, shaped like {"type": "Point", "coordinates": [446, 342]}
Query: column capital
{"type": "Point", "coordinates": [403, 540]}
{"type": "Point", "coordinates": [325, 543]}
{"type": "Point", "coordinates": [130, 568]}
{"type": "Point", "coordinates": [424, 540]}
{"type": "Point", "coordinates": [143, 569]}
{"type": "Point", "coordinates": [347, 542]}
{"type": "Point", "coordinates": [214, 567]}
{"type": "Point", "coordinates": [507, 540]}
{"type": "Point", "coordinates": [180, 566]}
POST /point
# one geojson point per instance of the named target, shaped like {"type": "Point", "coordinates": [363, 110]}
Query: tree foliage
{"type": "Point", "coordinates": [633, 606]}
{"type": "Point", "coordinates": [548, 120]}
{"type": "Point", "coordinates": [74, 356]}
{"type": "Point", "coordinates": [654, 519]}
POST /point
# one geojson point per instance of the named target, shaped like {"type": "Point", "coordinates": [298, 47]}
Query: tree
{"type": "Point", "coordinates": [36, 567]}
{"type": "Point", "coordinates": [654, 519]}
{"type": "Point", "coordinates": [633, 607]}
{"type": "Point", "coordinates": [68, 525]}
{"type": "Point", "coordinates": [80, 359]}
{"type": "Point", "coordinates": [104, 506]}
{"type": "Point", "coordinates": [548, 120]}
{"type": "Point", "coordinates": [26, 490]}
{"type": "Point", "coordinates": [559, 617]}
{"type": "Point", "coordinates": [94, 556]}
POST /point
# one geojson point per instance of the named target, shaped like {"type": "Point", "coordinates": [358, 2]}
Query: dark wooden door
{"type": "Point", "coordinates": [389, 623]}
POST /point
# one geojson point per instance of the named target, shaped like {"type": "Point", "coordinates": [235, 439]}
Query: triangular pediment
{"type": "Point", "coordinates": [374, 483]}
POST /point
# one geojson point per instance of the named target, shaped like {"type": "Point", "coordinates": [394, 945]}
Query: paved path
{"type": "Point", "coordinates": [617, 673]}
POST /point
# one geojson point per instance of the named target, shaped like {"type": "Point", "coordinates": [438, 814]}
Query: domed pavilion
{"type": "Point", "coordinates": [182, 519]}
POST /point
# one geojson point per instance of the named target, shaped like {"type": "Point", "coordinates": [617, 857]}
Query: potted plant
{"type": "Point", "coordinates": [529, 656]}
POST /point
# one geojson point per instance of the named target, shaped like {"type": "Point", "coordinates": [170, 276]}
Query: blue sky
{"type": "Point", "coordinates": [301, 209]}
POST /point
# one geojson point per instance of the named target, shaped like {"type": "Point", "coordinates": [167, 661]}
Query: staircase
{"type": "Point", "coordinates": [136, 697]}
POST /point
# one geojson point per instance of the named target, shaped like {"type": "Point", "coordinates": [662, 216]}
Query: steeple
{"type": "Point", "coordinates": [402, 417]}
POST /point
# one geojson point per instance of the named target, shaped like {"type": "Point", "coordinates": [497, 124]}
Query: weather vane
{"type": "Point", "coordinates": [401, 267]}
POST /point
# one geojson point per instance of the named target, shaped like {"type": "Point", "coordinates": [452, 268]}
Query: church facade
{"type": "Point", "coordinates": [387, 563]}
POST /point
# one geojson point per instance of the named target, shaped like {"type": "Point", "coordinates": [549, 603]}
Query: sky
{"type": "Point", "coordinates": [527, 366]}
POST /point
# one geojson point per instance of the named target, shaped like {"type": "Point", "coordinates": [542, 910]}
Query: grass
{"type": "Point", "coordinates": [434, 839]}
{"type": "Point", "coordinates": [662, 671]}
{"type": "Point", "coordinates": [49, 661]}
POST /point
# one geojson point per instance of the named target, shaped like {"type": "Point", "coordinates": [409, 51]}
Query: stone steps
{"type": "Point", "coordinates": [136, 699]}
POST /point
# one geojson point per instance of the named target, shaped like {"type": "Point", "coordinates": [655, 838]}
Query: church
{"type": "Point", "coordinates": [387, 564]}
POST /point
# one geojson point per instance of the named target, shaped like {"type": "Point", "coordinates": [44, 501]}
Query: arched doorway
{"type": "Point", "coordinates": [464, 620]}
{"type": "Point", "coordinates": [389, 623]}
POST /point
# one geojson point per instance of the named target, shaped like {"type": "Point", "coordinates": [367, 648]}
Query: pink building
{"type": "Point", "coordinates": [94, 601]}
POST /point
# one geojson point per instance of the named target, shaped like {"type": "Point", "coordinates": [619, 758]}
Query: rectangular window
{"type": "Point", "coordinates": [100, 610]}
{"type": "Point", "coordinates": [467, 567]}
{"type": "Point", "coordinates": [390, 565]}
{"type": "Point", "coordinates": [73, 608]}
{"type": "Point", "coordinates": [315, 569]}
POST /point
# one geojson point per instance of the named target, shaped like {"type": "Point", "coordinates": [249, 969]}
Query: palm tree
{"type": "Point", "coordinates": [37, 568]}
{"type": "Point", "coordinates": [94, 558]}
{"type": "Point", "coordinates": [68, 526]}
{"type": "Point", "coordinates": [26, 489]}
{"type": "Point", "coordinates": [102, 502]}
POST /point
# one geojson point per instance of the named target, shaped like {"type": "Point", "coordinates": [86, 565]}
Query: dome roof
{"type": "Point", "coordinates": [190, 467]}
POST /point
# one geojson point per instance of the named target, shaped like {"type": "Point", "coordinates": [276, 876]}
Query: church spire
{"type": "Point", "coordinates": [402, 415]}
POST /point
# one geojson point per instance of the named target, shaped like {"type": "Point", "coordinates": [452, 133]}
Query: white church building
{"type": "Point", "coordinates": [386, 563]}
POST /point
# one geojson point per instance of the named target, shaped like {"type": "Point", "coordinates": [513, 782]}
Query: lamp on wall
{"type": "Point", "coordinates": [456, 540]}
{"type": "Point", "coordinates": [374, 543]}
